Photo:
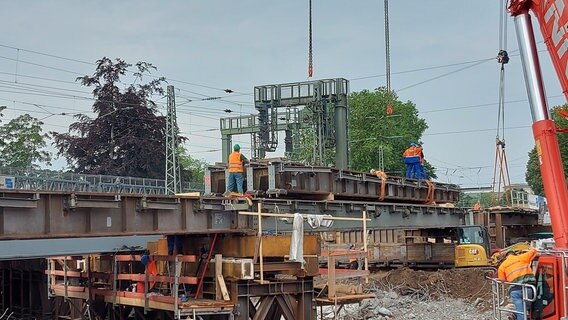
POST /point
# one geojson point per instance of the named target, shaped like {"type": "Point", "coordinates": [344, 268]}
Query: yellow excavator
{"type": "Point", "coordinates": [519, 247]}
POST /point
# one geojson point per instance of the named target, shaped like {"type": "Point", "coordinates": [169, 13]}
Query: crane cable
{"type": "Point", "coordinates": [389, 109]}
{"type": "Point", "coordinates": [500, 165]}
{"type": "Point", "coordinates": [310, 55]}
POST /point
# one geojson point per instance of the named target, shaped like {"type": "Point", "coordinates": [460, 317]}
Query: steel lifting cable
{"type": "Point", "coordinates": [502, 58]}
{"type": "Point", "coordinates": [310, 53]}
{"type": "Point", "coordinates": [389, 109]}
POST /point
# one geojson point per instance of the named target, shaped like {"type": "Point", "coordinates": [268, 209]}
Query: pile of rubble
{"type": "Point", "coordinates": [407, 294]}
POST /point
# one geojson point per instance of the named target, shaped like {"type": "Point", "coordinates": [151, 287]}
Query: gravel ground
{"type": "Point", "coordinates": [389, 305]}
{"type": "Point", "coordinates": [434, 295]}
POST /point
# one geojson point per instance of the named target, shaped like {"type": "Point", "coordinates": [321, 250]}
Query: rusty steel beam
{"type": "Point", "coordinates": [62, 215]}
{"type": "Point", "coordinates": [292, 180]}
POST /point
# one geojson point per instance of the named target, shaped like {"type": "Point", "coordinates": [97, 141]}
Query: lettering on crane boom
{"type": "Point", "coordinates": [555, 11]}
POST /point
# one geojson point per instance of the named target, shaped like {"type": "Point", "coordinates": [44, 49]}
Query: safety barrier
{"type": "Point", "coordinates": [501, 309]}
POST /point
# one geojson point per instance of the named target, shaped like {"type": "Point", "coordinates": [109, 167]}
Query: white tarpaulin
{"type": "Point", "coordinates": [297, 241]}
{"type": "Point", "coordinates": [319, 220]}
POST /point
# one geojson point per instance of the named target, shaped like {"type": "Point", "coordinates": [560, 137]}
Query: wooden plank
{"type": "Point", "coordinates": [272, 246]}
{"type": "Point", "coordinates": [331, 277]}
{"type": "Point", "coordinates": [218, 272]}
{"type": "Point", "coordinates": [137, 302]}
{"type": "Point", "coordinates": [155, 257]}
{"type": "Point", "coordinates": [158, 278]}
{"type": "Point", "coordinates": [223, 287]}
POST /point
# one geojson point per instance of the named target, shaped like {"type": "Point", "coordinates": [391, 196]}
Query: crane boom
{"type": "Point", "coordinates": [552, 17]}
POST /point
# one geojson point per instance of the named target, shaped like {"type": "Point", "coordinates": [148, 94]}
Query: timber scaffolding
{"type": "Point", "coordinates": [258, 280]}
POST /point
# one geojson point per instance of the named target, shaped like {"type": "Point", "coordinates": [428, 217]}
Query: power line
{"type": "Point", "coordinates": [41, 65]}
{"type": "Point", "coordinates": [91, 63]}
{"type": "Point", "coordinates": [473, 130]}
{"type": "Point", "coordinates": [46, 54]}
{"type": "Point", "coordinates": [422, 69]}
{"type": "Point", "coordinates": [482, 105]}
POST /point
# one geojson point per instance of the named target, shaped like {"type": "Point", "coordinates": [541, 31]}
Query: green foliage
{"type": "Point", "coordinates": [22, 143]}
{"type": "Point", "coordinates": [305, 150]}
{"type": "Point", "coordinates": [468, 200]}
{"type": "Point", "coordinates": [370, 128]}
{"type": "Point", "coordinates": [192, 169]}
{"type": "Point", "coordinates": [533, 175]}
{"type": "Point", "coordinates": [128, 135]}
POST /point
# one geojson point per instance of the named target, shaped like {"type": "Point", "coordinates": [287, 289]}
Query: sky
{"type": "Point", "coordinates": [442, 59]}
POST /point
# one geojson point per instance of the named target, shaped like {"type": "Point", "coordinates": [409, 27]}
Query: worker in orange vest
{"type": "Point", "coordinates": [517, 269]}
{"type": "Point", "coordinates": [236, 170]}
{"type": "Point", "coordinates": [477, 206]}
{"type": "Point", "coordinates": [413, 158]}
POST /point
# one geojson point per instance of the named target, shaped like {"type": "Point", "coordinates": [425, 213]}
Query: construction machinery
{"type": "Point", "coordinates": [551, 301]}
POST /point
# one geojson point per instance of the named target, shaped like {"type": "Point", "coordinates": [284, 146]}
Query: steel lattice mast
{"type": "Point", "coordinates": [173, 179]}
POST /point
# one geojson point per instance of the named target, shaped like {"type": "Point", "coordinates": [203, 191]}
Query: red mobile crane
{"type": "Point", "coordinates": [551, 269]}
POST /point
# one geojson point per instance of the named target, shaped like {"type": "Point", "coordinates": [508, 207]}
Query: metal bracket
{"type": "Point", "coordinates": [73, 202]}
{"type": "Point", "coordinates": [146, 204]}
{"type": "Point", "coordinates": [17, 202]}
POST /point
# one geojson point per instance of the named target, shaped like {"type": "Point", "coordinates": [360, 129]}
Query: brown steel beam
{"type": "Point", "coordinates": [17, 203]}
{"type": "Point", "coordinates": [264, 307]}
{"type": "Point", "coordinates": [91, 214]}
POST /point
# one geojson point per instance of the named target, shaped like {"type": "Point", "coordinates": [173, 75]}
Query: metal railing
{"type": "Point", "coordinates": [46, 180]}
{"type": "Point", "coordinates": [501, 309]}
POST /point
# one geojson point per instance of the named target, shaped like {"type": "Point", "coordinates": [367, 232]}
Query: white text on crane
{"type": "Point", "coordinates": [555, 11]}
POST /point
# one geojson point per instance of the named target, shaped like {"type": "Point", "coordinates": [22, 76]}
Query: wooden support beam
{"type": "Point", "coordinates": [223, 288]}
{"type": "Point", "coordinates": [218, 272]}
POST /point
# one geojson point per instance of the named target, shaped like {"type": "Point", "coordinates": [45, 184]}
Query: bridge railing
{"type": "Point", "coordinates": [47, 180]}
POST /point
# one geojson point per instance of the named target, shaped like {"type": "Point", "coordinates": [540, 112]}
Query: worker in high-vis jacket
{"type": "Point", "coordinates": [236, 169]}
{"type": "Point", "coordinates": [413, 158]}
{"type": "Point", "coordinates": [516, 268]}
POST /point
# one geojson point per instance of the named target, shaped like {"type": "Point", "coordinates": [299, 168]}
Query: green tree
{"type": "Point", "coordinates": [533, 175]}
{"type": "Point", "coordinates": [22, 143]}
{"type": "Point", "coordinates": [193, 169]}
{"type": "Point", "coordinates": [128, 135]}
{"type": "Point", "coordinates": [371, 129]}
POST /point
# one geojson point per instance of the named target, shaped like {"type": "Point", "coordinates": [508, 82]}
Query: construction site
{"type": "Point", "coordinates": [219, 256]}
{"type": "Point", "coordinates": [295, 232]}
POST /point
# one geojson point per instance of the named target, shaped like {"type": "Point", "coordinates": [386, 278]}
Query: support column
{"type": "Point", "coordinates": [226, 147]}
{"type": "Point", "coordinates": [341, 127]}
{"type": "Point", "coordinates": [499, 233]}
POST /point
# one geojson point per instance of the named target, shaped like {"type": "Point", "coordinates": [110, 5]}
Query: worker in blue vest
{"type": "Point", "coordinates": [413, 158]}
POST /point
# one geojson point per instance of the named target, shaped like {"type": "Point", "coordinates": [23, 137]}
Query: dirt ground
{"type": "Point", "coordinates": [469, 285]}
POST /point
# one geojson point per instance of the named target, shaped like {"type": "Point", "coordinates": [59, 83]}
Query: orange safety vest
{"type": "Point", "coordinates": [413, 152]}
{"type": "Point", "coordinates": [235, 163]}
{"type": "Point", "coordinates": [517, 268]}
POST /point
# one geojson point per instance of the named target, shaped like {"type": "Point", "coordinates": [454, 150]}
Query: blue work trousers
{"type": "Point", "coordinates": [175, 242]}
{"type": "Point", "coordinates": [235, 180]}
{"type": "Point", "coordinates": [414, 168]}
{"type": "Point", "coordinates": [517, 297]}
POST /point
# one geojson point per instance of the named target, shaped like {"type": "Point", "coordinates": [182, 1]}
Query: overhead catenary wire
{"type": "Point", "coordinates": [92, 64]}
